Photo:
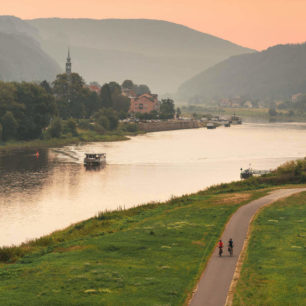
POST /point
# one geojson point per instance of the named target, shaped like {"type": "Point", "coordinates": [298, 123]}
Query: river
{"type": "Point", "coordinates": [40, 195]}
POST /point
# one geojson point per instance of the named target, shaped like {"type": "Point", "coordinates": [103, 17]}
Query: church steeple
{"type": "Point", "coordinates": [68, 63]}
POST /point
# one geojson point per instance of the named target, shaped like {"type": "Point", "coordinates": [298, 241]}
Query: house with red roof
{"type": "Point", "coordinates": [145, 103]}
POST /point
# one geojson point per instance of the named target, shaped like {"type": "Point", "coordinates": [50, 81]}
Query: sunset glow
{"type": "Point", "coordinates": [254, 24]}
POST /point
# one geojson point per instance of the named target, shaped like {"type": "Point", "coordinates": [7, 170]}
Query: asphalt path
{"type": "Point", "coordinates": [216, 279]}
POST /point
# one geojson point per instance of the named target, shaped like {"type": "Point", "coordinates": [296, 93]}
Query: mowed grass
{"type": "Point", "coordinates": [149, 255]}
{"type": "Point", "coordinates": [274, 272]}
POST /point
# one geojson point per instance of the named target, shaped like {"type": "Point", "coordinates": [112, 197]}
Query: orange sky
{"type": "Point", "coordinates": [255, 24]}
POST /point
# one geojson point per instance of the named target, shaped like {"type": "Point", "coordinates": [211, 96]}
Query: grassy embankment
{"type": "Point", "coordinates": [274, 270]}
{"type": "Point", "coordinates": [83, 136]}
{"type": "Point", "coordinates": [148, 255]}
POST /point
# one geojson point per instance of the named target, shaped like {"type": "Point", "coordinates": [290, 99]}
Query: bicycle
{"type": "Point", "coordinates": [230, 250]}
{"type": "Point", "coordinates": [220, 252]}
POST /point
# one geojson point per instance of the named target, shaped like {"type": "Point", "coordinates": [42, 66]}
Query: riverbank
{"type": "Point", "coordinates": [157, 251]}
{"type": "Point", "coordinates": [84, 136]}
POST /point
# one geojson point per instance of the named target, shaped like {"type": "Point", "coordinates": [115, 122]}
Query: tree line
{"type": "Point", "coordinates": [30, 111]}
{"type": "Point", "coordinates": [27, 110]}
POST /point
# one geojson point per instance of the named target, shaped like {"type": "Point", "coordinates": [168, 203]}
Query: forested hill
{"type": "Point", "coordinates": [275, 73]}
{"type": "Point", "coordinates": [21, 57]}
{"type": "Point", "coordinates": [158, 53]}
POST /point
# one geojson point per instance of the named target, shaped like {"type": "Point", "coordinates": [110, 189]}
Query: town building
{"type": "Point", "coordinates": [145, 103]}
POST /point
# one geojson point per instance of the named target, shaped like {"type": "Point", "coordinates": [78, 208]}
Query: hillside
{"type": "Point", "coordinates": [21, 57]}
{"type": "Point", "coordinates": [276, 73]}
{"type": "Point", "coordinates": [159, 53]}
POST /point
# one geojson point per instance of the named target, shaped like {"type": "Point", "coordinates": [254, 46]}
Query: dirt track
{"type": "Point", "coordinates": [216, 279]}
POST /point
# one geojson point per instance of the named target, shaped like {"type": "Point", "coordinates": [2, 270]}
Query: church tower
{"type": "Point", "coordinates": [68, 63]}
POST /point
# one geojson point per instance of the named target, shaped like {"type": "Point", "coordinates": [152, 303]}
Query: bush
{"type": "Point", "coordinates": [10, 254]}
{"type": "Point", "coordinates": [55, 129]}
{"type": "Point", "coordinates": [9, 126]}
{"type": "Point", "coordinates": [71, 127]}
{"type": "Point", "coordinates": [85, 124]}
{"type": "Point", "coordinates": [99, 128]}
{"type": "Point", "coordinates": [130, 127]}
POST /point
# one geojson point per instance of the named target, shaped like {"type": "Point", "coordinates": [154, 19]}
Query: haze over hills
{"type": "Point", "coordinates": [21, 57]}
{"type": "Point", "coordinates": [276, 73]}
{"type": "Point", "coordinates": [158, 53]}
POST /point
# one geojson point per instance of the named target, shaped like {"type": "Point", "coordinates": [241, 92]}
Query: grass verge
{"type": "Point", "coordinates": [148, 255]}
{"type": "Point", "coordinates": [84, 136]}
{"type": "Point", "coordinates": [274, 270]}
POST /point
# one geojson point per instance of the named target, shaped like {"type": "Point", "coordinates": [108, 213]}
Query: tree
{"type": "Point", "coordinates": [38, 108]}
{"type": "Point", "coordinates": [167, 110]}
{"type": "Point", "coordinates": [1, 130]}
{"type": "Point", "coordinates": [115, 88]}
{"type": "Point", "coordinates": [141, 89]}
{"type": "Point", "coordinates": [56, 128]}
{"type": "Point", "coordinates": [107, 118]}
{"type": "Point", "coordinates": [105, 95]}
{"type": "Point", "coordinates": [111, 96]}
{"type": "Point", "coordinates": [178, 113]}
{"type": "Point", "coordinates": [70, 95]}
{"type": "Point", "coordinates": [9, 126]}
{"type": "Point", "coordinates": [71, 127]}
{"type": "Point", "coordinates": [93, 103]}
{"type": "Point", "coordinates": [46, 86]}
{"type": "Point", "coordinates": [121, 103]}
{"type": "Point", "coordinates": [128, 84]}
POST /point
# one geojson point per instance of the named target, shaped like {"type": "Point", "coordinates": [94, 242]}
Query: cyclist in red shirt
{"type": "Point", "coordinates": [220, 246]}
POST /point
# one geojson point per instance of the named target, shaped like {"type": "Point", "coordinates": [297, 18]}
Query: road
{"type": "Point", "coordinates": [216, 279]}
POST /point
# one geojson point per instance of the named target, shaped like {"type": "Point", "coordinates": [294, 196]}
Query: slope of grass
{"type": "Point", "coordinates": [274, 269]}
{"type": "Point", "coordinates": [148, 255]}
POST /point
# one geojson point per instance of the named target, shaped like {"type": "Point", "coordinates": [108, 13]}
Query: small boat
{"type": "Point", "coordinates": [236, 119]}
{"type": "Point", "coordinates": [227, 124]}
{"type": "Point", "coordinates": [210, 126]}
{"type": "Point", "coordinates": [244, 174]}
{"type": "Point", "coordinates": [94, 159]}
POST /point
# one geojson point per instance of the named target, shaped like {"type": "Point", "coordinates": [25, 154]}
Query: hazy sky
{"type": "Point", "coordinates": [255, 24]}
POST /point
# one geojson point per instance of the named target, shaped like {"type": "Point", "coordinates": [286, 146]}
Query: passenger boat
{"type": "Point", "coordinates": [94, 159]}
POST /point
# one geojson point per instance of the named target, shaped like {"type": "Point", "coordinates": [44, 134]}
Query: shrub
{"type": "Point", "coordinates": [71, 127]}
{"type": "Point", "coordinates": [9, 126]}
{"type": "Point", "coordinates": [56, 128]}
{"type": "Point", "coordinates": [84, 124]}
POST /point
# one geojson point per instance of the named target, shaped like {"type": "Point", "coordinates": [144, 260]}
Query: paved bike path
{"type": "Point", "coordinates": [216, 279]}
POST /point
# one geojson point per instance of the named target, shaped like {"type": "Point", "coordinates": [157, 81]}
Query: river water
{"type": "Point", "coordinates": [40, 195]}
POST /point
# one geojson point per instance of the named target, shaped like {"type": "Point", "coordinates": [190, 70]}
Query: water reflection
{"type": "Point", "coordinates": [39, 195]}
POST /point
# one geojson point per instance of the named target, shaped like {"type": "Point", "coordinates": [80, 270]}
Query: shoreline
{"type": "Point", "coordinates": [87, 136]}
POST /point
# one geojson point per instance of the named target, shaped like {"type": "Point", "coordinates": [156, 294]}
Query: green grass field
{"type": "Point", "coordinates": [274, 272]}
{"type": "Point", "coordinates": [149, 255]}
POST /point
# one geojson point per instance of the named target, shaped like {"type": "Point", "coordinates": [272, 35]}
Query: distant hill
{"type": "Point", "coordinates": [158, 53]}
{"type": "Point", "coordinates": [21, 57]}
{"type": "Point", "coordinates": [276, 73]}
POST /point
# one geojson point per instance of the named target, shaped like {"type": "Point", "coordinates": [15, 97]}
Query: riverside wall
{"type": "Point", "coordinates": [169, 125]}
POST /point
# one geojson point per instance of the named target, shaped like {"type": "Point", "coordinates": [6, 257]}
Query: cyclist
{"type": "Point", "coordinates": [220, 246]}
{"type": "Point", "coordinates": [230, 246]}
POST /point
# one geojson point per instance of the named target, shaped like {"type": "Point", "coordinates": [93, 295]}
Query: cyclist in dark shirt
{"type": "Point", "coordinates": [230, 246]}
